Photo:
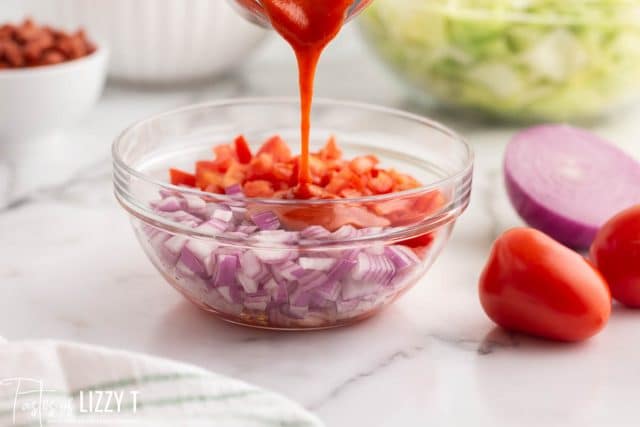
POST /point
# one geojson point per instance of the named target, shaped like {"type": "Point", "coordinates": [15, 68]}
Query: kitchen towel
{"type": "Point", "coordinates": [57, 384]}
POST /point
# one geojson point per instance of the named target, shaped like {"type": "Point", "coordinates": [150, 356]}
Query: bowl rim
{"type": "Point", "coordinates": [461, 180]}
{"type": "Point", "coordinates": [101, 52]}
{"type": "Point", "coordinates": [455, 176]}
{"type": "Point", "coordinates": [510, 13]}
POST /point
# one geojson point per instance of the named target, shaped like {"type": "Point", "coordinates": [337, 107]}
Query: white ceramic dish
{"type": "Point", "coordinates": [35, 102]}
{"type": "Point", "coordinates": [158, 41]}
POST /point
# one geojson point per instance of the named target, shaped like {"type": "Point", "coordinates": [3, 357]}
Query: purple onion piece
{"type": "Point", "coordinates": [266, 220]}
{"type": "Point", "coordinates": [248, 284]}
{"type": "Point", "coordinates": [322, 264]}
{"type": "Point", "coordinates": [226, 270]}
{"type": "Point", "coordinates": [169, 204]}
{"type": "Point", "coordinates": [224, 215]}
{"type": "Point", "coordinates": [250, 264]}
{"type": "Point", "coordinates": [315, 232]}
{"type": "Point", "coordinates": [233, 190]}
{"type": "Point", "coordinates": [401, 256]}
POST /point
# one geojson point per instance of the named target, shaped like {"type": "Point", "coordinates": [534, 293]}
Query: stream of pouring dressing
{"type": "Point", "coordinates": [308, 26]}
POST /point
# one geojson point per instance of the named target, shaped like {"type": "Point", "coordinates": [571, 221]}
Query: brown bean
{"type": "Point", "coordinates": [29, 44]}
{"type": "Point", "coordinates": [51, 57]}
{"type": "Point", "coordinates": [13, 54]}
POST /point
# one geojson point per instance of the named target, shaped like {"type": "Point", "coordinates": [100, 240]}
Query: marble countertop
{"type": "Point", "coordinates": [70, 268]}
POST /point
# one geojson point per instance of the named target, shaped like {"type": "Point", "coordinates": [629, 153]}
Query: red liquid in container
{"type": "Point", "coordinates": [308, 26]}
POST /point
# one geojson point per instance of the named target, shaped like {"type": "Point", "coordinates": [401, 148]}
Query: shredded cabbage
{"type": "Point", "coordinates": [520, 59]}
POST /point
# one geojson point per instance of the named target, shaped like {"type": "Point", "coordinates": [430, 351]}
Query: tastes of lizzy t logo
{"type": "Point", "coordinates": [27, 401]}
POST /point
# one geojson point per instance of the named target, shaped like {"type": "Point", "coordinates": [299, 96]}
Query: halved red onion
{"type": "Point", "coordinates": [567, 182]}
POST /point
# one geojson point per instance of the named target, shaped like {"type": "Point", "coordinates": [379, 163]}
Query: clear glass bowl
{"type": "Point", "coordinates": [538, 60]}
{"type": "Point", "coordinates": [361, 253]}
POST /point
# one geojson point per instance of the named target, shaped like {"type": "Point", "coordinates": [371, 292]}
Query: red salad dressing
{"type": "Point", "coordinates": [308, 26]}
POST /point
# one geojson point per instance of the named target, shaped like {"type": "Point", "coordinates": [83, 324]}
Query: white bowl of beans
{"type": "Point", "coordinates": [48, 80]}
{"type": "Point", "coordinates": [159, 41]}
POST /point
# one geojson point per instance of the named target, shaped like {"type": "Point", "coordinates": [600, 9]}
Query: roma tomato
{"type": "Point", "coordinates": [616, 253]}
{"type": "Point", "coordinates": [533, 284]}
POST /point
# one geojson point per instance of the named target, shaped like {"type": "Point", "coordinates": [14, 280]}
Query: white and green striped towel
{"type": "Point", "coordinates": [58, 384]}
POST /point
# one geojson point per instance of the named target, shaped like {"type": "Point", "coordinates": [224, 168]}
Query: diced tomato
{"type": "Point", "coordinates": [261, 167]}
{"type": "Point", "coordinates": [283, 172]}
{"type": "Point", "coordinates": [211, 181]}
{"type": "Point", "coordinates": [349, 193]}
{"type": "Point", "coordinates": [225, 156]}
{"type": "Point", "coordinates": [402, 181]}
{"type": "Point", "coordinates": [419, 242]}
{"type": "Point", "coordinates": [318, 170]}
{"type": "Point", "coordinates": [363, 165]}
{"type": "Point", "coordinates": [277, 148]}
{"type": "Point", "coordinates": [242, 150]}
{"type": "Point", "coordinates": [234, 175]}
{"type": "Point", "coordinates": [330, 151]}
{"type": "Point", "coordinates": [179, 177]}
{"type": "Point", "coordinates": [381, 183]}
{"type": "Point", "coordinates": [429, 203]}
{"type": "Point", "coordinates": [273, 172]}
{"type": "Point", "coordinates": [343, 179]}
{"type": "Point", "coordinates": [258, 188]}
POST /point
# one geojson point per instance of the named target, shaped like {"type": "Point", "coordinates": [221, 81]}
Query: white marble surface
{"type": "Point", "coordinates": [70, 268]}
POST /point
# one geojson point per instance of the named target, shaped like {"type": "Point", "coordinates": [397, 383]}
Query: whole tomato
{"type": "Point", "coordinates": [616, 252]}
{"type": "Point", "coordinates": [534, 284]}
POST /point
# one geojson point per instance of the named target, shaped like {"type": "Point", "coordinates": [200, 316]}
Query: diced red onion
{"type": "Point", "coordinates": [345, 232]}
{"type": "Point", "coordinates": [322, 264]}
{"type": "Point", "coordinates": [175, 244]}
{"type": "Point", "coordinates": [170, 204]}
{"type": "Point", "coordinates": [401, 256]}
{"type": "Point", "coordinates": [329, 290]}
{"type": "Point", "coordinates": [194, 203]}
{"type": "Point", "coordinates": [197, 256]}
{"type": "Point", "coordinates": [314, 289]}
{"type": "Point", "coordinates": [354, 289]}
{"type": "Point", "coordinates": [315, 232]}
{"type": "Point", "coordinates": [250, 264]}
{"type": "Point", "coordinates": [278, 291]}
{"type": "Point", "coordinates": [232, 294]}
{"type": "Point", "coordinates": [376, 249]}
{"type": "Point", "coordinates": [266, 220]}
{"type": "Point", "coordinates": [274, 255]}
{"type": "Point", "coordinates": [312, 280]}
{"type": "Point", "coordinates": [247, 229]}
{"type": "Point", "coordinates": [248, 284]}
{"type": "Point", "coordinates": [226, 270]}
{"type": "Point", "coordinates": [290, 271]}
{"type": "Point", "coordinates": [276, 236]}
{"type": "Point", "coordinates": [224, 215]}
{"type": "Point", "coordinates": [233, 190]}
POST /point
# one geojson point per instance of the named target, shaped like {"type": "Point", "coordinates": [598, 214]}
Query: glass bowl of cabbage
{"type": "Point", "coordinates": [535, 60]}
{"type": "Point", "coordinates": [285, 263]}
